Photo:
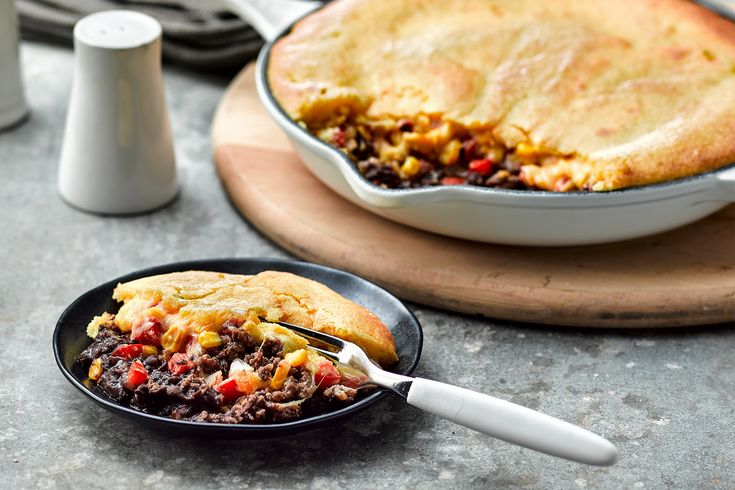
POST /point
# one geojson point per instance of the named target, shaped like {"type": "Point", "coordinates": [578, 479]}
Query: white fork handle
{"type": "Point", "coordinates": [270, 17]}
{"type": "Point", "coordinates": [511, 422]}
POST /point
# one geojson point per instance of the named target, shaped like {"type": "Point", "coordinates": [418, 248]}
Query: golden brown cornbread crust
{"type": "Point", "coordinates": [208, 299]}
{"type": "Point", "coordinates": [632, 91]}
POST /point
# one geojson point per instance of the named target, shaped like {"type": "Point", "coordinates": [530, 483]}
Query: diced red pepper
{"type": "Point", "coordinates": [229, 390]}
{"type": "Point", "coordinates": [148, 331]}
{"type": "Point", "coordinates": [137, 375]}
{"type": "Point", "coordinates": [453, 181]}
{"type": "Point", "coordinates": [482, 167]}
{"type": "Point", "coordinates": [326, 375]}
{"type": "Point", "coordinates": [339, 138]}
{"type": "Point", "coordinates": [179, 364]}
{"type": "Point", "coordinates": [128, 351]}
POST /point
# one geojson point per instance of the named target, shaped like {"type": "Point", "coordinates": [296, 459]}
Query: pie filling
{"type": "Point", "coordinates": [430, 151]}
{"type": "Point", "coordinates": [245, 372]}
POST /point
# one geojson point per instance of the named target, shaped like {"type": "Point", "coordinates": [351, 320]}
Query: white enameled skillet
{"type": "Point", "coordinates": [536, 218]}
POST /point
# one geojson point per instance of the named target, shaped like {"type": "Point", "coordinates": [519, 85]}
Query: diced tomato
{"type": "Point", "coordinates": [482, 167]}
{"type": "Point", "coordinates": [179, 364]}
{"type": "Point", "coordinates": [229, 390]}
{"type": "Point", "coordinates": [452, 181]}
{"type": "Point", "coordinates": [148, 331]}
{"type": "Point", "coordinates": [137, 375]}
{"type": "Point", "coordinates": [326, 375]}
{"type": "Point", "coordinates": [128, 351]}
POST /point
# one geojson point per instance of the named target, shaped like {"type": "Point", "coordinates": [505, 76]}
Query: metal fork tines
{"type": "Point", "coordinates": [353, 356]}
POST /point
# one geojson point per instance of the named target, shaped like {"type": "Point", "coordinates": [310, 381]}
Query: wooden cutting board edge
{"type": "Point", "coordinates": [437, 286]}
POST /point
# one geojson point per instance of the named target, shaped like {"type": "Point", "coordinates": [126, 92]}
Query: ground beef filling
{"type": "Point", "coordinates": [431, 152]}
{"type": "Point", "coordinates": [193, 395]}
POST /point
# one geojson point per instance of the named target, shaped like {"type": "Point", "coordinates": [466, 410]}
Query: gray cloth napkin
{"type": "Point", "coordinates": [197, 38]}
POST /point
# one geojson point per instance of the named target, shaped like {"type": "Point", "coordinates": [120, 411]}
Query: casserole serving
{"type": "Point", "coordinates": [665, 190]}
{"type": "Point", "coordinates": [199, 345]}
{"type": "Point", "coordinates": [573, 95]}
{"type": "Point", "coordinates": [70, 339]}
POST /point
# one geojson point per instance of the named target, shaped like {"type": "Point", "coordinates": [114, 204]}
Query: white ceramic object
{"type": "Point", "coordinates": [722, 7]}
{"type": "Point", "coordinates": [117, 155]}
{"type": "Point", "coordinates": [511, 422]}
{"type": "Point", "coordinates": [268, 17]}
{"type": "Point", "coordinates": [535, 218]}
{"type": "Point", "coordinates": [13, 107]}
{"type": "Point", "coordinates": [483, 413]}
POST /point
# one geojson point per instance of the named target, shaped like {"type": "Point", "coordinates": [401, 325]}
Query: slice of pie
{"type": "Point", "coordinates": [528, 94]}
{"type": "Point", "coordinates": [200, 346]}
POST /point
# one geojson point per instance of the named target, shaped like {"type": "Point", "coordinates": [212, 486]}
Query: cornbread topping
{"type": "Point", "coordinates": [528, 94]}
{"type": "Point", "coordinates": [192, 346]}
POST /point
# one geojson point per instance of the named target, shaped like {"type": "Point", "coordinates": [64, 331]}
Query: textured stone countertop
{"type": "Point", "coordinates": [667, 399]}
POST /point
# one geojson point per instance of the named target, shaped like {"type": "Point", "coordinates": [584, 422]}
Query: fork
{"type": "Point", "coordinates": [492, 416]}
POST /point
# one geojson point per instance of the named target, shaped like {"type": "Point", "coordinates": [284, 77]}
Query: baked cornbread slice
{"type": "Point", "coordinates": [558, 95]}
{"type": "Point", "coordinates": [197, 301]}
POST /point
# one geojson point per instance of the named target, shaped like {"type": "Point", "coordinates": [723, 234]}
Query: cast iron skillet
{"type": "Point", "coordinates": [537, 218]}
{"type": "Point", "coordinates": [70, 339]}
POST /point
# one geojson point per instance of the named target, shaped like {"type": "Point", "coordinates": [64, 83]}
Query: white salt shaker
{"type": "Point", "coordinates": [117, 156]}
{"type": "Point", "coordinates": [13, 106]}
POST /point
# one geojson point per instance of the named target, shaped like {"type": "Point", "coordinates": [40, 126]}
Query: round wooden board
{"type": "Point", "coordinates": [679, 278]}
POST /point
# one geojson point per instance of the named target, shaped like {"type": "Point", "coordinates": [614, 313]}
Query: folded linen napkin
{"type": "Point", "coordinates": [198, 38]}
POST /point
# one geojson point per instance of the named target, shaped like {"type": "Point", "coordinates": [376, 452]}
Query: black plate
{"type": "Point", "coordinates": [70, 339]}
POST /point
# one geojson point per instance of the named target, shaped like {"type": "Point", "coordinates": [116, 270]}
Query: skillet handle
{"type": "Point", "coordinates": [510, 422]}
{"type": "Point", "coordinates": [270, 17]}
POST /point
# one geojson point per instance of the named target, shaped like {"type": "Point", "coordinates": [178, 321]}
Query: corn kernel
{"type": "Point", "coordinates": [104, 320]}
{"type": "Point", "coordinates": [150, 350]}
{"type": "Point", "coordinates": [388, 152]}
{"type": "Point", "coordinates": [526, 151]}
{"type": "Point", "coordinates": [496, 154]}
{"type": "Point", "coordinates": [410, 167]}
{"type": "Point", "coordinates": [423, 121]}
{"type": "Point", "coordinates": [209, 339]}
{"type": "Point", "coordinates": [450, 153]}
{"type": "Point", "coordinates": [443, 134]}
{"type": "Point", "coordinates": [253, 316]}
{"type": "Point", "coordinates": [95, 370]}
{"type": "Point", "coordinates": [173, 338]}
{"type": "Point", "coordinates": [279, 377]}
{"type": "Point", "coordinates": [296, 358]}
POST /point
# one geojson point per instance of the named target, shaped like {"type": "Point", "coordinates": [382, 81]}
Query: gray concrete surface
{"type": "Point", "coordinates": [665, 398]}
